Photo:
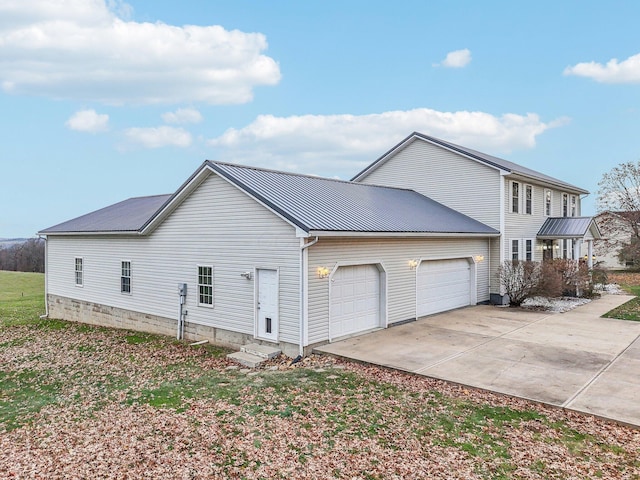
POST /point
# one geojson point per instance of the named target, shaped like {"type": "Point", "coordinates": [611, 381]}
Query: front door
{"type": "Point", "coordinates": [267, 307]}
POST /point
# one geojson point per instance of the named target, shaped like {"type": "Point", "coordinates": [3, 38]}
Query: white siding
{"type": "Point", "coordinates": [523, 226]}
{"type": "Point", "coordinates": [216, 225]}
{"type": "Point", "coordinates": [458, 182]}
{"type": "Point", "coordinates": [394, 255]}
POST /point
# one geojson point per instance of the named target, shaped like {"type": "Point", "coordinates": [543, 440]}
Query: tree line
{"type": "Point", "coordinates": [23, 257]}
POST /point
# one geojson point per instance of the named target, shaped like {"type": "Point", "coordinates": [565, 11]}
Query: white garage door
{"type": "Point", "coordinates": [355, 300]}
{"type": "Point", "coordinates": [443, 285]}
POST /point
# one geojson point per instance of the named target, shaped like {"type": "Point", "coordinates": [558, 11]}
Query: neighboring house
{"type": "Point", "coordinates": [616, 231]}
{"type": "Point", "coordinates": [297, 260]}
{"type": "Point", "coordinates": [539, 217]}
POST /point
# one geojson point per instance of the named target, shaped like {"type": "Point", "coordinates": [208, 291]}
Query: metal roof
{"type": "Point", "coordinates": [483, 157]}
{"type": "Point", "coordinates": [317, 204]}
{"type": "Point", "coordinates": [567, 227]}
{"type": "Point", "coordinates": [126, 216]}
{"type": "Point", "coordinates": [313, 204]}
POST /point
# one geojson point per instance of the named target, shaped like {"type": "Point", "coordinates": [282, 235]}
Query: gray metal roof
{"type": "Point", "coordinates": [126, 216]}
{"type": "Point", "coordinates": [483, 157]}
{"type": "Point", "coordinates": [317, 204]}
{"type": "Point", "coordinates": [566, 227]}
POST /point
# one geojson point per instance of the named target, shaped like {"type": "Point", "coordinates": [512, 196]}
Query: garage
{"type": "Point", "coordinates": [443, 285]}
{"type": "Point", "coordinates": [354, 299]}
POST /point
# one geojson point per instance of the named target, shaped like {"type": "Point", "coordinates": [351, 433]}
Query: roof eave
{"type": "Point", "coordinates": [351, 233]}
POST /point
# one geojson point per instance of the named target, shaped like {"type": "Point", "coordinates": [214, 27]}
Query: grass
{"type": "Point", "coordinates": [64, 384]}
{"type": "Point", "coordinates": [629, 282]}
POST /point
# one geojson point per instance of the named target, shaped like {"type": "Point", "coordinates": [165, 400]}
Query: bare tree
{"type": "Point", "coordinates": [619, 201]}
{"type": "Point", "coordinates": [27, 256]}
{"type": "Point", "coordinates": [519, 280]}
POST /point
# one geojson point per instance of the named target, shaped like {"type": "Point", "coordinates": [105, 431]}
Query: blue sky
{"type": "Point", "coordinates": [106, 100]}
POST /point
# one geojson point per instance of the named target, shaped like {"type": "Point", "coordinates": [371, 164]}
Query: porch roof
{"type": "Point", "coordinates": [569, 227]}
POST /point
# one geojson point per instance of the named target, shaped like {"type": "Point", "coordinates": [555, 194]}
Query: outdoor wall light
{"type": "Point", "coordinates": [413, 264]}
{"type": "Point", "coordinates": [246, 275]}
{"type": "Point", "coordinates": [323, 272]}
{"type": "Point", "coordinates": [479, 258]}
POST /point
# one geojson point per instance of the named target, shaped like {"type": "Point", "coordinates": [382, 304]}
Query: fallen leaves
{"type": "Point", "coordinates": [116, 405]}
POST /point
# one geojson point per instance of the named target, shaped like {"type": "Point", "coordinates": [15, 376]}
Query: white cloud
{"type": "Point", "coordinates": [88, 121]}
{"type": "Point", "coordinates": [627, 71]}
{"type": "Point", "coordinates": [87, 50]}
{"type": "Point", "coordinates": [157, 137]}
{"type": "Point", "coordinates": [183, 115]}
{"type": "Point", "coordinates": [457, 59]}
{"type": "Point", "coordinates": [343, 144]}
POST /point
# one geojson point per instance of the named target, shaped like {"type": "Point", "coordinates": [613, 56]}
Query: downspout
{"type": "Point", "coordinates": [303, 281]}
{"type": "Point", "coordinates": [46, 277]}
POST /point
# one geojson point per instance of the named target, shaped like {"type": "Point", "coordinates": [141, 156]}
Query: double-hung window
{"type": "Point", "coordinates": [125, 277]}
{"type": "Point", "coordinates": [528, 199]}
{"type": "Point", "coordinates": [547, 203]}
{"type": "Point", "coordinates": [79, 272]}
{"type": "Point", "coordinates": [528, 250]}
{"type": "Point", "coordinates": [205, 286]}
{"type": "Point", "coordinates": [515, 249]}
{"type": "Point", "coordinates": [574, 206]}
{"type": "Point", "coordinates": [515, 197]}
{"type": "Point", "coordinates": [565, 205]}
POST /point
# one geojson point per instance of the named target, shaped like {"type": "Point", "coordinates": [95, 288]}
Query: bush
{"type": "Point", "coordinates": [519, 280]}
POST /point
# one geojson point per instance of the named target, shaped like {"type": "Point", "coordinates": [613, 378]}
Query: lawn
{"type": "Point", "coordinates": [630, 282]}
{"type": "Point", "coordinates": [78, 401]}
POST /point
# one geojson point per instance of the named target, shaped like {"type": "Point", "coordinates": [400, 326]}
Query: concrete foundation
{"type": "Point", "coordinates": [73, 310]}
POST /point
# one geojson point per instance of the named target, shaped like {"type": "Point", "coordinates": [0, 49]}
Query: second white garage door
{"type": "Point", "coordinates": [443, 285]}
{"type": "Point", "coordinates": [355, 300]}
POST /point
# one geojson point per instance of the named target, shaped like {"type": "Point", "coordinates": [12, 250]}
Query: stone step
{"type": "Point", "coordinates": [246, 359]}
{"type": "Point", "coordinates": [263, 351]}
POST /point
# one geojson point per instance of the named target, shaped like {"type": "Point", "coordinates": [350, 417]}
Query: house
{"type": "Point", "coordinates": [241, 254]}
{"type": "Point", "coordinates": [616, 228]}
{"type": "Point", "coordinates": [539, 217]}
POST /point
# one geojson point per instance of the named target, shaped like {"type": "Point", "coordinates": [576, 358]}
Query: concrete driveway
{"type": "Point", "coordinates": [575, 360]}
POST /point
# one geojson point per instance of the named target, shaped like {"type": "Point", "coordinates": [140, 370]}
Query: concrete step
{"type": "Point", "coordinates": [246, 359]}
{"type": "Point", "coordinates": [264, 351]}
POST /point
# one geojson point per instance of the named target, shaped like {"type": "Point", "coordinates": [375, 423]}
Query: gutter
{"type": "Point", "coordinates": [304, 274]}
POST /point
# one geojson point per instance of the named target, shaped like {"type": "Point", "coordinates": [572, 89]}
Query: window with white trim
{"type": "Point", "coordinates": [205, 286]}
{"type": "Point", "coordinates": [125, 277]}
{"type": "Point", "coordinates": [515, 249]}
{"type": "Point", "coordinates": [565, 205]}
{"type": "Point", "coordinates": [528, 250]}
{"type": "Point", "coordinates": [528, 199]}
{"type": "Point", "coordinates": [574, 206]}
{"type": "Point", "coordinates": [515, 197]}
{"type": "Point", "coordinates": [547, 202]}
{"type": "Point", "coordinates": [79, 272]}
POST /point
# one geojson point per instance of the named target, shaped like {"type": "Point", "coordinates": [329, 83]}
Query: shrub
{"type": "Point", "coordinates": [519, 280]}
{"type": "Point", "coordinates": [563, 277]}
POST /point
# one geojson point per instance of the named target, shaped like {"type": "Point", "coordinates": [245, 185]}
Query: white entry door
{"type": "Point", "coordinates": [267, 307]}
{"type": "Point", "coordinates": [355, 300]}
{"type": "Point", "coordinates": [443, 285]}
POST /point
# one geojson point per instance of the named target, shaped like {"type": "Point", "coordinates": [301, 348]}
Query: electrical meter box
{"type": "Point", "coordinates": [182, 289]}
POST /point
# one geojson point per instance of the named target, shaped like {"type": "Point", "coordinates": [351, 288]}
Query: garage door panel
{"type": "Point", "coordinates": [443, 285]}
{"type": "Point", "coordinates": [355, 300]}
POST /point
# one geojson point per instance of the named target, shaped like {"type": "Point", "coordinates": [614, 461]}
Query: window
{"type": "Point", "coordinates": [547, 203]}
{"type": "Point", "coordinates": [528, 199]}
{"type": "Point", "coordinates": [565, 204]}
{"type": "Point", "coordinates": [205, 285]}
{"type": "Point", "coordinates": [79, 279]}
{"type": "Point", "coordinates": [515, 254]}
{"type": "Point", "coordinates": [515, 197]}
{"type": "Point", "coordinates": [528, 250]}
{"type": "Point", "coordinates": [125, 277]}
{"type": "Point", "coordinates": [574, 206]}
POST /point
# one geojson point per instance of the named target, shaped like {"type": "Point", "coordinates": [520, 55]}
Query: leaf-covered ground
{"type": "Point", "coordinates": [84, 402]}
